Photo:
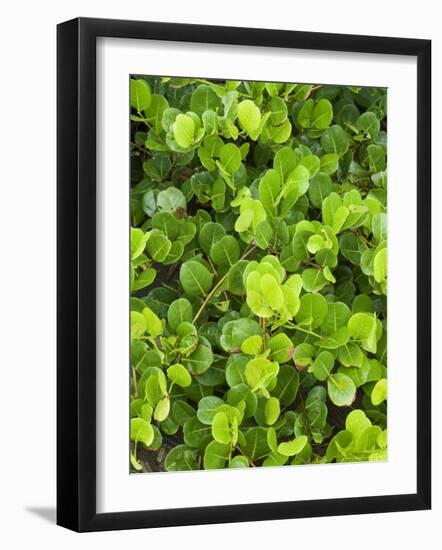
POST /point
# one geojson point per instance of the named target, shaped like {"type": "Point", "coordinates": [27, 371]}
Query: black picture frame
{"type": "Point", "coordinates": [76, 274]}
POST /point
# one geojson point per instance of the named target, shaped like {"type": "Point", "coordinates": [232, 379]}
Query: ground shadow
{"type": "Point", "coordinates": [46, 513]}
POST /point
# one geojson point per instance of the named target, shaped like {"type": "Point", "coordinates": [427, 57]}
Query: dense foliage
{"type": "Point", "coordinates": [258, 274]}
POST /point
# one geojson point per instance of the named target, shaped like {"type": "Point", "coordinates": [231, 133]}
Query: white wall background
{"type": "Point", "coordinates": [27, 272]}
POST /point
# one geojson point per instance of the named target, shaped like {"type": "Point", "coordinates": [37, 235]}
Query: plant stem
{"type": "Point", "coordinates": [297, 327]}
{"type": "Point", "coordinates": [218, 284]}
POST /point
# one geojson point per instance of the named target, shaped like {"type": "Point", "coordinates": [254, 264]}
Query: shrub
{"type": "Point", "coordinates": [258, 274]}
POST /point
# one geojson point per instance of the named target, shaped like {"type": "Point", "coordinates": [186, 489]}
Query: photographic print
{"type": "Point", "coordinates": [258, 269]}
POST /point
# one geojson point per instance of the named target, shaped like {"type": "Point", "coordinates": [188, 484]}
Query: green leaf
{"type": "Point", "coordinates": [251, 345]}
{"type": "Point", "coordinates": [338, 314]}
{"type": "Point", "coordinates": [195, 279]}
{"type": "Point", "coordinates": [221, 428]}
{"type": "Point", "coordinates": [203, 99]}
{"type": "Point", "coordinates": [145, 278]}
{"type": "Point", "coordinates": [335, 140]}
{"type": "Point", "coordinates": [249, 117]}
{"type": "Point", "coordinates": [272, 410]}
{"type": "Point", "coordinates": [162, 409]}
{"type": "Point", "coordinates": [153, 324]}
{"type": "Point", "coordinates": [182, 412]}
{"type": "Point", "coordinates": [207, 408]}
{"type": "Point", "coordinates": [329, 163]}
{"type": "Point", "coordinates": [154, 113]}
{"type": "Point", "coordinates": [271, 292]}
{"type": "Point", "coordinates": [184, 130]}
{"type": "Point", "coordinates": [334, 213]}
{"type": "Point", "coordinates": [179, 375]}
{"type": "Point", "coordinates": [142, 431]}
{"type": "Point", "coordinates": [263, 234]}
{"type": "Point", "coordinates": [281, 348]}
{"type": "Point", "coordinates": [313, 279]}
{"type": "Point", "coordinates": [171, 200]}
{"type": "Point", "coordinates": [305, 114]}
{"type": "Point", "coordinates": [287, 385]}
{"type": "Point", "coordinates": [269, 190]}
{"type": "Point", "coordinates": [196, 434]}
{"type": "Point", "coordinates": [362, 328]}
{"type": "Point", "coordinates": [138, 240]}
{"type": "Point", "coordinates": [140, 95]}
{"type": "Point", "coordinates": [179, 311]}
{"type": "Point", "coordinates": [376, 158]}
{"type": "Point", "coordinates": [239, 462]}
{"type": "Point", "coordinates": [357, 422]}
{"type": "Point", "coordinates": [320, 187]}
{"type": "Point", "coordinates": [216, 455]}
{"type": "Point", "coordinates": [350, 355]}
{"type": "Point", "coordinates": [278, 109]}
{"type": "Point", "coordinates": [158, 246]}
{"type": "Point", "coordinates": [255, 443]}
{"type": "Point", "coordinates": [294, 447]}
{"type": "Point", "coordinates": [341, 389]}
{"type": "Point", "coordinates": [210, 233]}
{"type": "Point", "coordinates": [379, 392]}
{"type": "Point", "coordinates": [230, 157]}
{"type": "Point", "coordinates": [284, 162]}
{"type": "Point", "coordinates": [380, 266]}
{"type": "Point", "coordinates": [225, 252]}
{"type": "Point", "coordinates": [180, 458]}
{"type": "Point", "coordinates": [322, 114]}
{"type": "Point", "coordinates": [379, 227]}
{"type": "Point", "coordinates": [234, 333]}
{"type": "Point", "coordinates": [137, 325]}
{"type": "Point", "coordinates": [369, 125]}
{"type": "Point", "coordinates": [323, 365]}
{"type": "Point", "coordinates": [313, 310]}
{"type": "Point", "coordinates": [199, 360]}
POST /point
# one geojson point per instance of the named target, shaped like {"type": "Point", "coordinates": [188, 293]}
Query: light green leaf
{"type": "Point", "coordinates": [379, 392]}
{"type": "Point", "coordinates": [184, 130]}
{"type": "Point", "coordinates": [153, 324]}
{"type": "Point", "coordinates": [140, 94]}
{"type": "Point", "coordinates": [362, 328]}
{"type": "Point", "coordinates": [251, 345]}
{"type": "Point", "coordinates": [380, 266]}
{"type": "Point", "coordinates": [142, 431]}
{"type": "Point", "coordinates": [137, 325]}
{"type": "Point", "coordinates": [162, 409]}
{"type": "Point", "coordinates": [341, 389]}
{"type": "Point", "coordinates": [272, 410]}
{"type": "Point", "coordinates": [138, 240]}
{"type": "Point", "coordinates": [292, 448]}
{"type": "Point", "coordinates": [179, 375]}
{"type": "Point", "coordinates": [249, 117]}
{"type": "Point", "coordinates": [221, 428]}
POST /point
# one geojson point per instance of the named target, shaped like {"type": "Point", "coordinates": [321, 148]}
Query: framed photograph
{"type": "Point", "coordinates": [243, 270]}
